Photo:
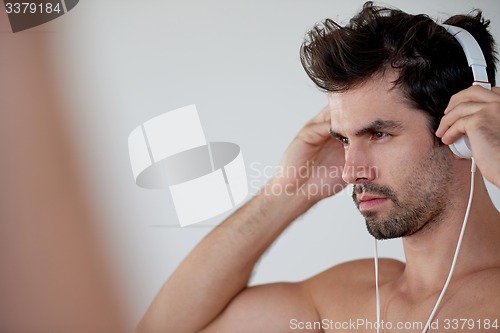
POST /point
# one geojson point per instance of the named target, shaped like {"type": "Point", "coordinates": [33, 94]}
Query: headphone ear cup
{"type": "Point", "coordinates": [477, 63]}
{"type": "Point", "coordinates": [461, 148]}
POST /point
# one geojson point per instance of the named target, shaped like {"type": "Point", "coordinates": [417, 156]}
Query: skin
{"type": "Point", "coordinates": [209, 293]}
{"type": "Point", "coordinates": [411, 200]}
{"type": "Point", "coordinates": [55, 277]}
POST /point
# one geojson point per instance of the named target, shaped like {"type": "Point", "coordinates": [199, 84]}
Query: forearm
{"type": "Point", "coordinates": [220, 266]}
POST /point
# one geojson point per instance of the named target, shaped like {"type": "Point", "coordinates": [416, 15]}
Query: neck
{"type": "Point", "coordinates": [429, 252]}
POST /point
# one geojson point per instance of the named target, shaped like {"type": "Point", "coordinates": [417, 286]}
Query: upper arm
{"type": "Point", "coordinates": [285, 307]}
{"type": "Point", "coordinates": [277, 307]}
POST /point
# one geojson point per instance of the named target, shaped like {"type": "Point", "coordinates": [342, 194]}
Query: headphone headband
{"type": "Point", "coordinates": [473, 53]}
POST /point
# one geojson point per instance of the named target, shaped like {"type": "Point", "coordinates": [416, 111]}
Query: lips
{"type": "Point", "coordinates": [368, 197]}
{"type": "Point", "coordinates": [370, 202]}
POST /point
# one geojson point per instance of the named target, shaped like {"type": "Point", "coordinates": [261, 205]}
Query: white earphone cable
{"type": "Point", "coordinates": [377, 295]}
{"type": "Point", "coordinates": [457, 250]}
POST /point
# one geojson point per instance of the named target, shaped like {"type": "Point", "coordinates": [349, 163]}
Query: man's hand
{"type": "Point", "coordinates": [312, 164]}
{"type": "Point", "coordinates": [475, 112]}
{"type": "Point", "coordinates": [208, 292]}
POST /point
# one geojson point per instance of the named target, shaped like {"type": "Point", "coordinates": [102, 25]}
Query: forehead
{"type": "Point", "coordinates": [374, 100]}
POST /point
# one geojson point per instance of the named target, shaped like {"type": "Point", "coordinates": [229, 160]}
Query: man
{"type": "Point", "coordinates": [389, 77]}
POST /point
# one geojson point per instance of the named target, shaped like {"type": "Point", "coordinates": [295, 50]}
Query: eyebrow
{"type": "Point", "coordinates": [377, 125]}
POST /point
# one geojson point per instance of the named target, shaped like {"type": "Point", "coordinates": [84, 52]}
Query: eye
{"type": "Point", "coordinates": [379, 135]}
{"type": "Point", "coordinates": [344, 141]}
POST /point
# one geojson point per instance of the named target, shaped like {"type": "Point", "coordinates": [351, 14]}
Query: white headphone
{"type": "Point", "coordinates": [475, 59]}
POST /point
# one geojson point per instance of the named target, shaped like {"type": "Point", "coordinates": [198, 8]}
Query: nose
{"type": "Point", "coordinates": [358, 166]}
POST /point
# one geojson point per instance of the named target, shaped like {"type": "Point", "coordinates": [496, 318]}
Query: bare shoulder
{"type": "Point", "coordinates": [350, 280]}
{"type": "Point", "coordinates": [480, 287]}
{"type": "Point", "coordinates": [358, 273]}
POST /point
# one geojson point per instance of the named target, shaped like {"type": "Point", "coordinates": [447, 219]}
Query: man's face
{"type": "Point", "coordinates": [401, 178]}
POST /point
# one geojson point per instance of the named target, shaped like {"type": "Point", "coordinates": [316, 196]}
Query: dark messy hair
{"type": "Point", "coordinates": [431, 64]}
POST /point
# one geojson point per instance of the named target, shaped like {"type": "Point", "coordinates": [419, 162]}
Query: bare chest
{"type": "Point", "coordinates": [468, 309]}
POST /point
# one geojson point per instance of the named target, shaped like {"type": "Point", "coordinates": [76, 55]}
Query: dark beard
{"type": "Point", "coordinates": [408, 217]}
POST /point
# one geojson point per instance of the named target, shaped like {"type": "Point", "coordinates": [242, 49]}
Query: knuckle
{"type": "Point", "coordinates": [494, 108]}
{"type": "Point", "coordinates": [476, 88]}
{"type": "Point", "coordinates": [454, 99]}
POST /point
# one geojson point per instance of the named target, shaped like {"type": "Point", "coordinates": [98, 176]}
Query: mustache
{"type": "Point", "coordinates": [373, 189]}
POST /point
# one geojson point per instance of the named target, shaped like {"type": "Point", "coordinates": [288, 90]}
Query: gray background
{"type": "Point", "coordinates": [124, 62]}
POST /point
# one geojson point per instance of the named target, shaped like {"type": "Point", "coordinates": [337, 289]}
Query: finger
{"type": "Point", "coordinates": [315, 133]}
{"type": "Point", "coordinates": [473, 94]}
{"type": "Point", "coordinates": [463, 110]}
{"type": "Point", "coordinates": [455, 131]}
